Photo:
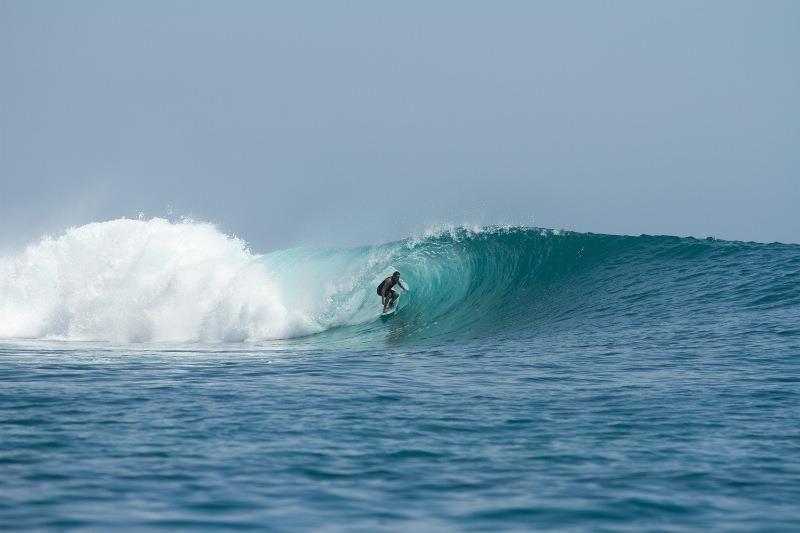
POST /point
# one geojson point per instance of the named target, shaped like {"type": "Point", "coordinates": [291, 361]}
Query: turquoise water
{"type": "Point", "coordinates": [529, 380]}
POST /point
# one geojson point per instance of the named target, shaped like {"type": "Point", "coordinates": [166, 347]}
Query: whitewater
{"type": "Point", "coordinates": [159, 374]}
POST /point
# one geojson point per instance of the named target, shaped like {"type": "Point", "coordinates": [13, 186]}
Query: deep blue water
{"type": "Point", "coordinates": [530, 380]}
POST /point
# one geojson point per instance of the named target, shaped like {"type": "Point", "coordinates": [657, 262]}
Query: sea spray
{"type": "Point", "coordinates": [141, 280]}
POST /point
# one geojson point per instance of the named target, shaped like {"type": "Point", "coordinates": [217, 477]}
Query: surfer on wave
{"type": "Point", "coordinates": [388, 296]}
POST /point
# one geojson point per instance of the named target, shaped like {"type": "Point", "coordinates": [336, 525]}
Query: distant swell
{"type": "Point", "coordinates": [156, 280]}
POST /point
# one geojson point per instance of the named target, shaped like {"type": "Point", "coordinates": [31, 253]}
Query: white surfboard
{"type": "Point", "coordinates": [392, 309]}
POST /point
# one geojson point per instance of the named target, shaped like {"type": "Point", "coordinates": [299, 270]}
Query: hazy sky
{"type": "Point", "coordinates": [347, 122]}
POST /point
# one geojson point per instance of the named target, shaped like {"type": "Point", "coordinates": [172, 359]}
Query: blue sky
{"type": "Point", "coordinates": [349, 122]}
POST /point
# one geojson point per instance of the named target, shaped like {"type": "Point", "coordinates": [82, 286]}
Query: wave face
{"type": "Point", "coordinates": [155, 280]}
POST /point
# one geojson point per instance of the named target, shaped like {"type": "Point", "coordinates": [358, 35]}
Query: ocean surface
{"type": "Point", "coordinates": [160, 375]}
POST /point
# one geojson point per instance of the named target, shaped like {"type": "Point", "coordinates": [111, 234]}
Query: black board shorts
{"type": "Point", "coordinates": [390, 292]}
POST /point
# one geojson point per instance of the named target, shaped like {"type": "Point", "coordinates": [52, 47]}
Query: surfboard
{"type": "Point", "coordinates": [392, 309]}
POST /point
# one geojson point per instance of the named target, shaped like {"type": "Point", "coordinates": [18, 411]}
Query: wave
{"type": "Point", "coordinates": [160, 281]}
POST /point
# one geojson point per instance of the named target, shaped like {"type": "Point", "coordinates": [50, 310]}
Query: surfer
{"type": "Point", "coordinates": [388, 296]}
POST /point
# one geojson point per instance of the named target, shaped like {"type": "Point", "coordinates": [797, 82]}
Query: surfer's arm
{"type": "Point", "coordinates": [401, 286]}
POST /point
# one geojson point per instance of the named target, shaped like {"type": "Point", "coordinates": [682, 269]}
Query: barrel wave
{"type": "Point", "coordinates": [160, 281]}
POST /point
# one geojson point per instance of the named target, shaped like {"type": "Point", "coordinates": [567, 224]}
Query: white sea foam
{"type": "Point", "coordinates": [155, 280]}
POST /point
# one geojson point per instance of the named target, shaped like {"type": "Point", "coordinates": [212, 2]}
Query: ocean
{"type": "Point", "coordinates": [161, 375]}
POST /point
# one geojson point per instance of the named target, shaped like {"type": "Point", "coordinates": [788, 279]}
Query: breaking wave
{"type": "Point", "coordinates": [160, 281]}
